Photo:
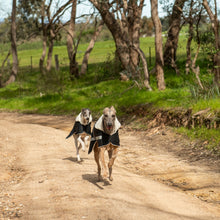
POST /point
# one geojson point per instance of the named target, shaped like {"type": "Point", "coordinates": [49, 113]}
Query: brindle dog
{"type": "Point", "coordinates": [109, 124]}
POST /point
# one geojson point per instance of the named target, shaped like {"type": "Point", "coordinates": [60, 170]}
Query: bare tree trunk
{"type": "Point", "coordinates": [44, 27]}
{"type": "Point", "coordinates": [71, 31]}
{"type": "Point", "coordinates": [89, 48]}
{"type": "Point", "coordinates": [41, 63]}
{"type": "Point", "coordinates": [2, 69]}
{"type": "Point", "coordinates": [70, 43]}
{"type": "Point", "coordinates": [158, 45]}
{"type": "Point", "coordinates": [215, 26]}
{"type": "Point", "coordinates": [14, 71]}
{"type": "Point", "coordinates": [125, 29]}
{"type": "Point", "coordinates": [146, 72]}
{"type": "Point", "coordinates": [134, 25]}
{"type": "Point", "coordinates": [49, 55]}
{"type": "Point", "coordinates": [188, 46]}
{"type": "Point", "coordinates": [173, 33]}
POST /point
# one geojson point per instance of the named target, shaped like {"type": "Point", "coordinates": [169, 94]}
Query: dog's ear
{"type": "Point", "coordinates": [113, 109]}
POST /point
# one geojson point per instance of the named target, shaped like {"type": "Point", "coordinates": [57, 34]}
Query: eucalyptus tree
{"type": "Point", "coordinates": [70, 42]}
{"type": "Point", "coordinates": [158, 45]}
{"type": "Point", "coordinates": [213, 15]}
{"type": "Point", "coordinates": [14, 71]}
{"type": "Point", "coordinates": [123, 19]}
{"type": "Point", "coordinates": [98, 28]}
{"type": "Point", "coordinates": [27, 19]}
{"type": "Point", "coordinates": [51, 25]}
{"type": "Point", "coordinates": [173, 33]}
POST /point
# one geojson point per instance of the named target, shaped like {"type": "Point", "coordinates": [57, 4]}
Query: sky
{"type": "Point", "coordinates": [6, 5]}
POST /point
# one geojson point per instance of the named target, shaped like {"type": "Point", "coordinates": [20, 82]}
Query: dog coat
{"type": "Point", "coordinates": [79, 127]}
{"type": "Point", "coordinates": [101, 137]}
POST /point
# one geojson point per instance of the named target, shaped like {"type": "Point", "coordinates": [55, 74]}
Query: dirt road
{"type": "Point", "coordinates": [155, 176]}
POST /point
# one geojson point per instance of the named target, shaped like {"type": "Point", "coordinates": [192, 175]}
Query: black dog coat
{"type": "Point", "coordinates": [80, 128]}
{"type": "Point", "coordinates": [101, 137]}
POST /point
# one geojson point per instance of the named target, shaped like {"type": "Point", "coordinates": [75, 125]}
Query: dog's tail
{"type": "Point", "coordinates": [71, 133]}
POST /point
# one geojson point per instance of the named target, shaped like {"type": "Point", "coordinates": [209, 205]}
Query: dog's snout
{"type": "Point", "coordinates": [87, 118]}
{"type": "Point", "coordinates": [109, 123]}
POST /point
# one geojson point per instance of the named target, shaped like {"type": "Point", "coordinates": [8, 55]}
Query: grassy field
{"type": "Point", "coordinates": [101, 87]}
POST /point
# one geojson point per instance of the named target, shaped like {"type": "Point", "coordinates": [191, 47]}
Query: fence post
{"type": "Point", "coordinates": [57, 62]}
{"type": "Point", "coordinates": [31, 64]}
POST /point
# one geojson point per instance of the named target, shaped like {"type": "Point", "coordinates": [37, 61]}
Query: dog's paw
{"type": "Point", "coordinates": [78, 158]}
{"type": "Point", "coordinates": [111, 178]}
{"type": "Point", "coordinates": [105, 177]}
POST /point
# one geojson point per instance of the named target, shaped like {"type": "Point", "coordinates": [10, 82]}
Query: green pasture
{"type": "Point", "coordinates": [56, 94]}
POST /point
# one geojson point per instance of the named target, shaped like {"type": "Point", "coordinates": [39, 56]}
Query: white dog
{"type": "Point", "coordinates": [81, 130]}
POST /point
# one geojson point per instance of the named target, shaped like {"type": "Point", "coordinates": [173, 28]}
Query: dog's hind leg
{"type": "Point", "coordinates": [81, 142]}
{"type": "Point", "coordinates": [86, 141]}
{"type": "Point", "coordinates": [112, 156]}
{"type": "Point", "coordinates": [96, 156]}
{"type": "Point", "coordinates": [77, 149]}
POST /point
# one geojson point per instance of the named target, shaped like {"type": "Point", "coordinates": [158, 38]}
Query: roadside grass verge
{"type": "Point", "coordinates": [208, 138]}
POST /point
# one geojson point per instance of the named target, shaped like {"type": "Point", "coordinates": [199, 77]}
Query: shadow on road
{"type": "Point", "coordinates": [93, 178]}
{"type": "Point", "coordinates": [74, 159]}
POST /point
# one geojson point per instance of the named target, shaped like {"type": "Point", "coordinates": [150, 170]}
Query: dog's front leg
{"type": "Point", "coordinates": [96, 155]}
{"type": "Point", "coordinates": [112, 156]}
{"type": "Point", "coordinates": [81, 142]}
{"type": "Point", "coordinates": [102, 158]}
{"type": "Point", "coordinates": [77, 149]}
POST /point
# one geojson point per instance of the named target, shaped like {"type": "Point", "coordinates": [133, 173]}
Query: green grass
{"type": "Point", "coordinates": [33, 51]}
{"type": "Point", "coordinates": [209, 138]}
{"type": "Point", "coordinates": [101, 87]}
{"type": "Point", "coordinates": [101, 81]}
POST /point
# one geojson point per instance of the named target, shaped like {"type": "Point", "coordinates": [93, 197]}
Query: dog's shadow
{"type": "Point", "coordinates": [74, 159]}
{"type": "Point", "coordinates": [93, 178]}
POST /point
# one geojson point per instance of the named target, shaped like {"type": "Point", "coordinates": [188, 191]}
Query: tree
{"type": "Point", "coordinates": [14, 71]}
{"type": "Point", "coordinates": [51, 25]}
{"type": "Point", "coordinates": [215, 26]}
{"type": "Point", "coordinates": [28, 14]}
{"type": "Point", "coordinates": [173, 34]}
{"type": "Point", "coordinates": [158, 45]}
{"type": "Point", "coordinates": [90, 47]}
{"type": "Point", "coordinates": [123, 19]}
{"type": "Point", "coordinates": [194, 18]}
{"type": "Point", "coordinates": [44, 36]}
{"type": "Point", "coordinates": [146, 26]}
{"type": "Point", "coordinates": [71, 47]}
